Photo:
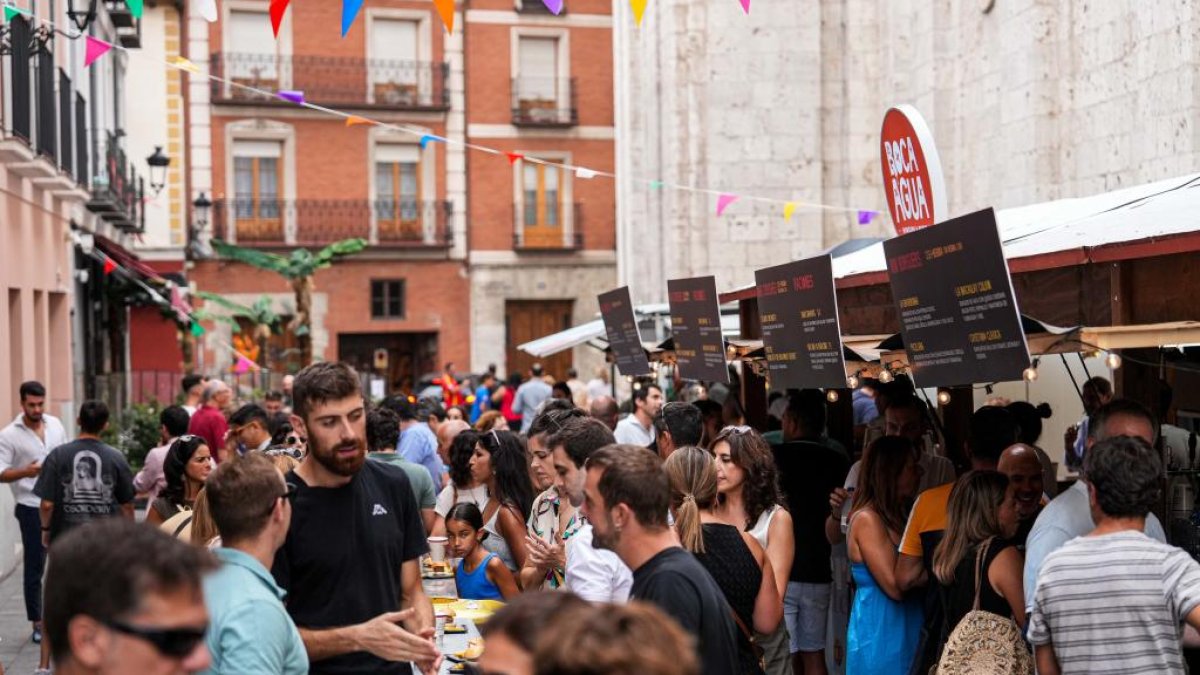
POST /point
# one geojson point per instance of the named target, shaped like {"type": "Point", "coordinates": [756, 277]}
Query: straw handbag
{"type": "Point", "coordinates": [984, 643]}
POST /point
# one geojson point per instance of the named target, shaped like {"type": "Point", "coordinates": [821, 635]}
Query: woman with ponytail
{"type": "Point", "coordinates": [735, 559]}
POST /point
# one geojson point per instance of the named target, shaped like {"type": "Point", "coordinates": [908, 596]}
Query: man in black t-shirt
{"type": "Point", "coordinates": [350, 564]}
{"type": "Point", "coordinates": [85, 479]}
{"type": "Point", "coordinates": [626, 498]}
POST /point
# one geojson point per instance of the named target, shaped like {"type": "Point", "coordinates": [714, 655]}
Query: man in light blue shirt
{"type": "Point", "coordinates": [530, 397]}
{"type": "Point", "coordinates": [1070, 515]}
{"type": "Point", "coordinates": [417, 442]}
{"type": "Point", "coordinates": [250, 630]}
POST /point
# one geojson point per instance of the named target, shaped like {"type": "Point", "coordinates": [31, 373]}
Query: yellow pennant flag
{"type": "Point", "coordinates": [355, 119]}
{"type": "Point", "coordinates": [184, 64]}
{"type": "Point", "coordinates": [639, 8]}
{"type": "Point", "coordinates": [445, 10]}
{"type": "Point", "coordinates": [788, 209]}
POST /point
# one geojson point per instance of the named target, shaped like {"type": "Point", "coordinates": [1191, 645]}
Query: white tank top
{"type": "Point", "coordinates": [760, 529]}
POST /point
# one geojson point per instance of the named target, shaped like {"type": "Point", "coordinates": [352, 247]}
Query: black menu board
{"type": "Point", "coordinates": [623, 337]}
{"type": "Point", "coordinates": [696, 326]}
{"type": "Point", "coordinates": [797, 305]}
{"type": "Point", "coordinates": [955, 301]}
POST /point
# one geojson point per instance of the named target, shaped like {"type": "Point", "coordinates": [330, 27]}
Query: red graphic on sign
{"type": "Point", "coordinates": [910, 181]}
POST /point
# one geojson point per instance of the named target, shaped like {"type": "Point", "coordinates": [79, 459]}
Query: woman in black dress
{"type": "Point", "coordinates": [734, 558]}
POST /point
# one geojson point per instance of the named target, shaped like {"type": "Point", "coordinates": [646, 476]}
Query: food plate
{"type": "Point", "coordinates": [478, 611]}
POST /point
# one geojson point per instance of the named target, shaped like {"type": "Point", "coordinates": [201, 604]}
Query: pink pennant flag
{"type": "Point", "coordinates": [724, 201]}
{"type": "Point", "coordinates": [555, 6]}
{"type": "Point", "coordinates": [745, 5]}
{"type": "Point", "coordinates": [95, 49]}
{"type": "Point", "coordinates": [243, 365]}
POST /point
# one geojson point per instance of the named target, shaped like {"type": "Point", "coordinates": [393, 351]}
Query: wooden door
{"type": "Point", "coordinates": [528, 320]}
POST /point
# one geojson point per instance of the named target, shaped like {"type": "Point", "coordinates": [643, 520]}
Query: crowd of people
{"type": "Point", "coordinates": [287, 537]}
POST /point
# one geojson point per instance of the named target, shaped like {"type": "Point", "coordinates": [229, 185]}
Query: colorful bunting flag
{"type": "Point", "coordinates": [109, 266]}
{"type": "Point", "coordinates": [639, 9]}
{"type": "Point", "coordinates": [208, 10]}
{"type": "Point", "coordinates": [555, 6]}
{"type": "Point", "coordinates": [584, 174]}
{"type": "Point", "coordinates": [292, 95]}
{"type": "Point", "coordinates": [244, 365]}
{"type": "Point", "coordinates": [656, 185]}
{"type": "Point", "coordinates": [865, 217]}
{"type": "Point", "coordinates": [95, 49]}
{"type": "Point", "coordinates": [514, 157]}
{"type": "Point", "coordinates": [278, 7]}
{"type": "Point", "coordinates": [184, 64]}
{"type": "Point", "coordinates": [197, 329]}
{"type": "Point", "coordinates": [445, 9]}
{"type": "Point", "coordinates": [745, 5]}
{"type": "Point", "coordinates": [10, 12]}
{"type": "Point", "coordinates": [355, 119]}
{"type": "Point", "coordinates": [349, 14]}
{"type": "Point", "coordinates": [789, 209]}
{"type": "Point", "coordinates": [430, 138]}
{"type": "Point", "coordinates": [135, 8]}
{"type": "Point", "coordinates": [723, 202]}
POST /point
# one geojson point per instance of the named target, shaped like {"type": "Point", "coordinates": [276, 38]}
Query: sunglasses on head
{"type": "Point", "coordinates": [176, 643]}
{"type": "Point", "coordinates": [741, 429]}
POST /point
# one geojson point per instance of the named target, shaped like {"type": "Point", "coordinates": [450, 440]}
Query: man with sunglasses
{"type": "Point", "coordinates": [133, 608]}
{"type": "Point", "coordinates": [251, 631]}
{"type": "Point", "coordinates": [248, 427]}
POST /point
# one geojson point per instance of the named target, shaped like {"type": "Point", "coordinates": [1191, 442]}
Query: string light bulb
{"type": "Point", "coordinates": [1030, 374]}
{"type": "Point", "coordinates": [885, 376]}
{"type": "Point", "coordinates": [852, 382]}
{"type": "Point", "coordinates": [1113, 360]}
{"type": "Point", "coordinates": [943, 397]}
{"type": "Point", "coordinates": [832, 396]}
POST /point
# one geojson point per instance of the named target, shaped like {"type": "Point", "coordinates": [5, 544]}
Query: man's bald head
{"type": "Point", "coordinates": [447, 432]}
{"type": "Point", "coordinates": [1021, 464]}
{"type": "Point", "coordinates": [604, 408]}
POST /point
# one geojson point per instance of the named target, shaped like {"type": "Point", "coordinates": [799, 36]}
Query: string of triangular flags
{"type": "Point", "coordinates": [97, 48]}
{"type": "Point", "coordinates": [242, 365]}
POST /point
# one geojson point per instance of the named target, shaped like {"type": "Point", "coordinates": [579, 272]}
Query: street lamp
{"type": "Point", "coordinates": [200, 209]}
{"type": "Point", "coordinates": [158, 169]}
{"type": "Point", "coordinates": [202, 205]}
{"type": "Point", "coordinates": [81, 19]}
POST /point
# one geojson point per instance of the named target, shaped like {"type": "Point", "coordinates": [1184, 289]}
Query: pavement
{"type": "Point", "coordinates": [17, 652]}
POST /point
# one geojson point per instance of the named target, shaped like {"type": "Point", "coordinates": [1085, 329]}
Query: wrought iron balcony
{"type": "Point", "coordinates": [276, 223]}
{"type": "Point", "coordinates": [117, 191]}
{"type": "Point", "coordinates": [330, 80]}
{"type": "Point", "coordinates": [544, 102]}
{"type": "Point", "coordinates": [129, 27]}
{"type": "Point", "coordinates": [559, 230]}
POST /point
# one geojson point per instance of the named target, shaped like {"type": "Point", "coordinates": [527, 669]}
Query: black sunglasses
{"type": "Point", "coordinates": [176, 643]}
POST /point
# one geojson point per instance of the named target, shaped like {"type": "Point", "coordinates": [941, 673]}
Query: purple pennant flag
{"type": "Point", "coordinates": [865, 217]}
{"type": "Point", "coordinates": [555, 6]}
{"type": "Point", "coordinates": [292, 95]}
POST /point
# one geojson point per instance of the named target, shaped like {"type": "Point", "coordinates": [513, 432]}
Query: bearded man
{"type": "Point", "coordinates": [350, 564]}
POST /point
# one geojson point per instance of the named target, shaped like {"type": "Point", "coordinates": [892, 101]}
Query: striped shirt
{"type": "Point", "coordinates": [1115, 603]}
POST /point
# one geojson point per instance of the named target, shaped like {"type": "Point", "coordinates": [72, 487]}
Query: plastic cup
{"type": "Point", "coordinates": [437, 548]}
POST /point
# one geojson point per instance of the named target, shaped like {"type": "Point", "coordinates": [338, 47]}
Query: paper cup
{"type": "Point", "coordinates": [437, 548]}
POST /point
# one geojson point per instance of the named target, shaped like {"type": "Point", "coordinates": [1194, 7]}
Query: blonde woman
{"type": "Point", "coordinates": [734, 558]}
{"type": "Point", "coordinates": [982, 514]}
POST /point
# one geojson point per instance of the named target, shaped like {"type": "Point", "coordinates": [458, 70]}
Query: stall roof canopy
{"type": "Point", "coordinates": [1068, 231]}
{"type": "Point", "coordinates": [593, 331]}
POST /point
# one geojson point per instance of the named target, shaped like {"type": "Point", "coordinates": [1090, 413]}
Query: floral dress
{"type": "Point", "coordinates": [544, 522]}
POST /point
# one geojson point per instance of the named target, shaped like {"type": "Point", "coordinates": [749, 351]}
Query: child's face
{"type": "Point", "coordinates": [462, 536]}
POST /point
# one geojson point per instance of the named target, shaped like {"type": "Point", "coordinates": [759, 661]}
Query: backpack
{"type": "Point", "coordinates": [984, 643]}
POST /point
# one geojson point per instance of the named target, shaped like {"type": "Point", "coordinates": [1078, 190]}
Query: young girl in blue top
{"type": "Point", "coordinates": [480, 575]}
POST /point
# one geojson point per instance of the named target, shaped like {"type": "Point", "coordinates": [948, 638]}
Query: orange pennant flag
{"type": "Point", "coordinates": [355, 119]}
{"type": "Point", "coordinates": [445, 9]}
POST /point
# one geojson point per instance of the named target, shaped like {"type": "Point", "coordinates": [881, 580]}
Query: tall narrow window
{"type": "Point", "coordinates": [537, 86]}
{"type": "Point", "coordinates": [251, 59]}
{"type": "Point", "coordinates": [398, 192]}
{"type": "Point", "coordinates": [256, 175]}
{"type": "Point", "coordinates": [394, 71]}
{"type": "Point", "coordinates": [542, 206]}
{"type": "Point", "coordinates": [387, 299]}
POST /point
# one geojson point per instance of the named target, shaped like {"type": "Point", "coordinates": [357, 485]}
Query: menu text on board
{"type": "Point", "coordinates": [616, 310]}
{"type": "Point", "coordinates": [797, 306]}
{"type": "Point", "coordinates": [696, 326]}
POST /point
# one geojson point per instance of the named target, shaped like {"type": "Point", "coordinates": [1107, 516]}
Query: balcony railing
{"type": "Point", "coordinates": [305, 222]}
{"type": "Point", "coordinates": [558, 231]}
{"type": "Point", "coordinates": [328, 80]}
{"type": "Point", "coordinates": [544, 102]}
{"type": "Point", "coordinates": [129, 27]}
{"type": "Point", "coordinates": [117, 190]}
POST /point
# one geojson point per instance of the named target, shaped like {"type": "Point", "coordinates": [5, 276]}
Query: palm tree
{"type": "Point", "coordinates": [265, 320]}
{"type": "Point", "coordinates": [298, 268]}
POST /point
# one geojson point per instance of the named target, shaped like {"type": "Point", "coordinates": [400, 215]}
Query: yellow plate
{"type": "Point", "coordinates": [443, 601]}
{"type": "Point", "coordinates": [476, 610]}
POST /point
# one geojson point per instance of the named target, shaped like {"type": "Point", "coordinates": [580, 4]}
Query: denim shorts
{"type": "Point", "coordinates": [806, 610]}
